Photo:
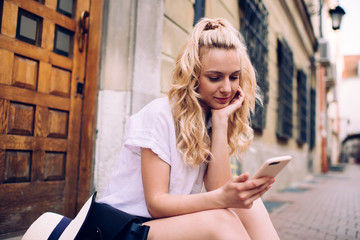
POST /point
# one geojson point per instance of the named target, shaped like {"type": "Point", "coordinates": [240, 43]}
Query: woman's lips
{"type": "Point", "coordinates": [222, 100]}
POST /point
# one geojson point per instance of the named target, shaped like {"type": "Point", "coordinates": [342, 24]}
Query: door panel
{"type": "Point", "coordinates": [40, 111]}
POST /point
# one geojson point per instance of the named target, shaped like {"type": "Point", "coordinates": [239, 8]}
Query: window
{"type": "Point", "coordinates": [29, 27]}
{"type": "Point", "coordinates": [255, 31]}
{"type": "Point", "coordinates": [312, 119]}
{"type": "Point", "coordinates": [65, 7]}
{"type": "Point", "coordinates": [285, 99]}
{"type": "Point", "coordinates": [199, 10]}
{"type": "Point", "coordinates": [63, 41]}
{"type": "Point", "coordinates": [1, 12]}
{"type": "Point", "coordinates": [302, 107]}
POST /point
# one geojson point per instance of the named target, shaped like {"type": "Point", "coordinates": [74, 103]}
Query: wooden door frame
{"type": "Point", "coordinates": [88, 122]}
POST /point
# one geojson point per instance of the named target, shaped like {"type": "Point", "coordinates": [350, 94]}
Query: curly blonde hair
{"type": "Point", "coordinates": [193, 140]}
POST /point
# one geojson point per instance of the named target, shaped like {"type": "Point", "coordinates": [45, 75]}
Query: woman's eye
{"type": "Point", "coordinates": [214, 79]}
{"type": "Point", "coordinates": [234, 78]}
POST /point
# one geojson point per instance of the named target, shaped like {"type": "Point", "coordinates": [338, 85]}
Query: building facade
{"type": "Point", "coordinates": [329, 67]}
{"type": "Point", "coordinates": [349, 88]}
{"type": "Point", "coordinates": [142, 38]}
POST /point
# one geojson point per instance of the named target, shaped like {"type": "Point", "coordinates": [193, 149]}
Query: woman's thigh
{"type": "Point", "coordinates": [211, 224]}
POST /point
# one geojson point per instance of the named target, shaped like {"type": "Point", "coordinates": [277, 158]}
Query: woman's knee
{"type": "Point", "coordinates": [225, 224]}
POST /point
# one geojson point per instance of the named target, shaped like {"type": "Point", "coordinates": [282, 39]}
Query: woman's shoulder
{"type": "Point", "coordinates": [159, 102]}
{"type": "Point", "coordinates": [157, 106]}
{"type": "Point", "coordinates": [156, 110]}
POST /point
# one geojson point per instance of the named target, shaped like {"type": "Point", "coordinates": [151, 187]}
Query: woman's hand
{"type": "Point", "coordinates": [239, 192]}
{"type": "Point", "coordinates": [235, 104]}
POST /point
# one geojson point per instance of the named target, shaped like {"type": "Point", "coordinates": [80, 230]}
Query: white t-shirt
{"type": "Point", "coordinates": [152, 127]}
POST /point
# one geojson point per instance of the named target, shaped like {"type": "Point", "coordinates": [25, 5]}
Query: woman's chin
{"type": "Point", "coordinates": [219, 106]}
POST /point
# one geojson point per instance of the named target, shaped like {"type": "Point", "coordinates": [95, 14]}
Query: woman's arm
{"type": "Point", "coordinates": [155, 176]}
{"type": "Point", "coordinates": [219, 170]}
{"type": "Point", "coordinates": [235, 193]}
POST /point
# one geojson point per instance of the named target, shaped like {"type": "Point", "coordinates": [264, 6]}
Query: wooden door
{"type": "Point", "coordinates": [42, 72]}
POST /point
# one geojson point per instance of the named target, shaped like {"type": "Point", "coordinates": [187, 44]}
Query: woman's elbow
{"type": "Point", "coordinates": [155, 211]}
{"type": "Point", "coordinates": [156, 208]}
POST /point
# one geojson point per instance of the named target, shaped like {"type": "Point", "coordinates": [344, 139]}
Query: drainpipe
{"type": "Point", "coordinates": [322, 122]}
{"type": "Point", "coordinates": [322, 103]}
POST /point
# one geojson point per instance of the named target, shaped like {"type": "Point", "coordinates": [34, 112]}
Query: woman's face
{"type": "Point", "coordinates": [219, 77]}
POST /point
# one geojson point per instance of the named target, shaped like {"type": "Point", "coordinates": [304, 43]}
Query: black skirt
{"type": "Point", "coordinates": [145, 219]}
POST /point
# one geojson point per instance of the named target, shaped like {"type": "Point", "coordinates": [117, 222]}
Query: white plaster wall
{"type": "Point", "coordinates": [129, 75]}
{"type": "Point", "coordinates": [113, 111]}
{"type": "Point", "coordinates": [349, 98]}
{"type": "Point", "coordinates": [116, 51]}
{"type": "Point", "coordinates": [146, 83]}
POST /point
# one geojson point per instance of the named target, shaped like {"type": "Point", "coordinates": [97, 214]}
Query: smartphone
{"type": "Point", "coordinates": [272, 166]}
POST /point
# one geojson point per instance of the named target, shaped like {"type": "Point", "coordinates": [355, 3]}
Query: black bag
{"type": "Point", "coordinates": [105, 222]}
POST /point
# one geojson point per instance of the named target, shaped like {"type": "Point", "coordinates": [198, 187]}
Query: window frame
{"type": "Point", "coordinates": [199, 10]}
{"type": "Point", "coordinates": [302, 103]}
{"type": "Point", "coordinates": [312, 137]}
{"type": "Point", "coordinates": [1, 12]}
{"type": "Point", "coordinates": [285, 90]}
{"type": "Point", "coordinates": [37, 19]}
{"type": "Point", "coordinates": [59, 10]}
{"type": "Point", "coordinates": [254, 28]}
{"type": "Point", "coordinates": [57, 29]}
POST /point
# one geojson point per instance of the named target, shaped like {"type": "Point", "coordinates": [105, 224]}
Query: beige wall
{"type": "Point", "coordinates": [285, 22]}
{"type": "Point", "coordinates": [228, 9]}
{"type": "Point", "coordinates": [177, 23]}
{"type": "Point", "coordinates": [281, 26]}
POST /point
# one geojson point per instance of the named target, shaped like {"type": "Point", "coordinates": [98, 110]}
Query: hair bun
{"type": "Point", "coordinates": [212, 25]}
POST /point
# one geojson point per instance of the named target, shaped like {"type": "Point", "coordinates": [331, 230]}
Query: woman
{"type": "Point", "coordinates": [174, 146]}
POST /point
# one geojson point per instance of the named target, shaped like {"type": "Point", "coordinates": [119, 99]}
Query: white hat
{"type": "Point", "coordinates": [58, 226]}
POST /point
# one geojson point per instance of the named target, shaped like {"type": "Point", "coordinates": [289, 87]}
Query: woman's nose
{"type": "Point", "coordinates": [225, 86]}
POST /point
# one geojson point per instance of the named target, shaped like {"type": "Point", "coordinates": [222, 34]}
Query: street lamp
{"type": "Point", "coordinates": [336, 16]}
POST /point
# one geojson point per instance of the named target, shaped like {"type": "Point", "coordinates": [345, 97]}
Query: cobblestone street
{"type": "Point", "coordinates": [323, 207]}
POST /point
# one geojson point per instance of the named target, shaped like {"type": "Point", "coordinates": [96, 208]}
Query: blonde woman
{"type": "Point", "coordinates": [174, 146]}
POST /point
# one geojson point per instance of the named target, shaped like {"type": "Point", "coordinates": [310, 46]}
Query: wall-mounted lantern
{"type": "Point", "coordinates": [336, 16]}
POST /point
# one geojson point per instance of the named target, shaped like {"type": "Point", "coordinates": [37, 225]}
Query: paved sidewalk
{"type": "Point", "coordinates": [323, 207]}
